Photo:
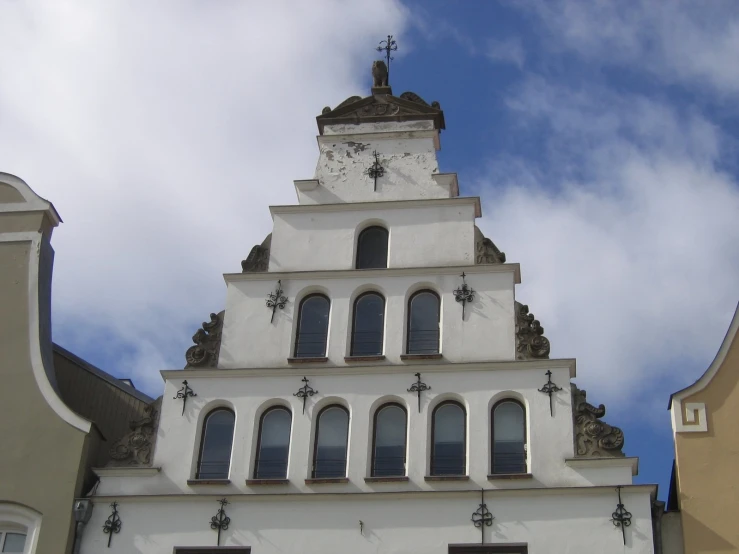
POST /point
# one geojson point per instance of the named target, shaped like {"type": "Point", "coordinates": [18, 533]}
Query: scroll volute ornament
{"type": "Point", "coordinates": [531, 344]}
{"type": "Point", "coordinates": [207, 343]}
{"type": "Point", "coordinates": [594, 438]}
{"type": "Point", "coordinates": [136, 447]}
{"type": "Point", "coordinates": [485, 250]}
{"type": "Point", "coordinates": [258, 258]}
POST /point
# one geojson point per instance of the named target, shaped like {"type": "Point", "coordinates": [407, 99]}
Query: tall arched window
{"type": "Point", "coordinates": [332, 433]}
{"type": "Point", "coordinates": [448, 430]}
{"type": "Point", "coordinates": [423, 323]}
{"type": "Point", "coordinates": [215, 447]}
{"type": "Point", "coordinates": [273, 445]}
{"type": "Point", "coordinates": [369, 325]}
{"type": "Point", "coordinates": [372, 248]}
{"type": "Point", "coordinates": [312, 334]}
{"type": "Point", "coordinates": [509, 437]}
{"type": "Point", "coordinates": [388, 442]}
{"type": "Point", "coordinates": [12, 541]}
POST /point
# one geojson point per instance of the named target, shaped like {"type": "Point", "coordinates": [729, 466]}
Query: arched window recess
{"type": "Point", "coordinates": [389, 441]}
{"type": "Point", "coordinates": [372, 248]}
{"type": "Point", "coordinates": [214, 460]}
{"type": "Point", "coordinates": [368, 326]}
{"type": "Point", "coordinates": [449, 439]}
{"type": "Point", "coordinates": [312, 332]}
{"type": "Point", "coordinates": [273, 444]}
{"type": "Point", "coordinates": [508, 437]}
{"type": "Point", "coordinates": [424, 313]}
{"type": "Point", "coordinates": [330, 448]}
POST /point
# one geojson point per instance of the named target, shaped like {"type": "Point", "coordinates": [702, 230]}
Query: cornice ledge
{"type": "Point", "coordinates": [373, 369]}
{"type": "Point", "coordinates": [383, 205]}
{"type": "Point", "coordinates": [515, 268]}
{"type": "Point", "coordinates": [399, 134]}
{"type": "Point", "coordinates": [126, 471]}
{"type": "Point", "coordinates": [586, 463]}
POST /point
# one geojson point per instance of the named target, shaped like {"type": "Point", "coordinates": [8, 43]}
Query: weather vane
{"type": "Point", "coordinates": [388, 46]}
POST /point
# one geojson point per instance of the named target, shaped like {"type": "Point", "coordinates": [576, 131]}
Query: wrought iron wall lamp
{"type": "Point", "coordinates": [113, 523]}
{"type": "Point", "coordinates": [305, 391]}
{"type": "Point", "coordinates": [418, 387]}
{"type": "Point", "coordinates": [464, 294]}
{"type": "Point", "coordinates": [220, 521]}
{"type": "Point", "coordinates": [183, 394]}
{"type": "Point", "coordinates": [482, 517]}
{"type": "Point", "coordinates": [276, 300]}
{"type": "Point", "coordinates": [550, 388]}
{"type": "Point", "coordinates": [621, 517]}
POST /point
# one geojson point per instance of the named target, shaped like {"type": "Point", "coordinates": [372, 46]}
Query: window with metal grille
{"type": "Point", "coordinates": [423, 323]}
{"type": "Point", "coordinates": [509, 437]}
{"type": "Point", "coordinates": [388, 441]}
{"type": "Point", "coordinates": [312, 334]}
{"type": "Point", "coordinates": [273, 445]}
{"type": "Point", "coordinates": [369, 325]}
{"type": "Point", "coordinates": [215, 446]}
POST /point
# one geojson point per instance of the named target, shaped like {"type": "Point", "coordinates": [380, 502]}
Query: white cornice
{"type": "Point", "coordinates": [631, 462]}
{"type": "Point", "coordinates": [379, 135]}
{"type": "Point", "coordinates": [126, 471]}
{"type": "Point", "coordinates": [309, 496]}
{"type": "Point", "coordinates": [384, 205]}
{"type": "Point", "coordinates": [33, 203]}
{"type": "Point", "coordinates": [360, 370]}
{"type": "Point", "coordinates": [691, 417]}
{"type": "Point", "coordinates": [374, 273]}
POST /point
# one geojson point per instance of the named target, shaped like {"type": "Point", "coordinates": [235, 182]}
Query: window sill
{"type": "Point", "coordinates": [252, 482]}
{"type": "Point", "coordinates": [447, 478]}
{"type": "Point", "coordinates": [496, 476]}
{"type": "Point", "coordinates": [363, 358]}
{"type": "Point", "coordinates": [388, 479]}
{"type": "Point", "coordinates": [191, 482]}
{"type": "Point", "coordinates": [411, 357]}
{"type": "Point", "coordinates": [326, 480]}
{"type": "Point", "coordinates": [307, 360]}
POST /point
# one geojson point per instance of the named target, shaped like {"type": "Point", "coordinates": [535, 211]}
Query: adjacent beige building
{"type": "Point", "coordinates": [49, 398]}
{"type": "Point", "coordinates": [705, 425]}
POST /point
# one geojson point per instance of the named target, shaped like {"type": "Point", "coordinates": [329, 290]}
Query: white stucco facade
{"type": "Point", "coordinates": [561, 503]}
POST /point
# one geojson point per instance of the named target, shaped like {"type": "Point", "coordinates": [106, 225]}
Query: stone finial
{"type": "Point", "coordinates": [379, 74]}
{"type": "Point", "coordinates": [530, 340]}
{"type": "Point", "coordinates": [594, 438]}
{"type": "Point", "coordinates": [207, 343]}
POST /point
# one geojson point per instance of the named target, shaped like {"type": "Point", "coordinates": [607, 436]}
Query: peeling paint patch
{"type": "Point", "coordinates": [330, 155]}
{"type": "Point", "coordinates": [358, 146]}
{"type": "Point", "coordinates": [349, 154]}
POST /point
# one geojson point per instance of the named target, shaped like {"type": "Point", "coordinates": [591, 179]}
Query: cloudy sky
{"type": "Point", "coordinates": [602, 137]}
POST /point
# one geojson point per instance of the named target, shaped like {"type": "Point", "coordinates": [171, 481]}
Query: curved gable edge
{"type": "Point", "coordinates": [695, 412]}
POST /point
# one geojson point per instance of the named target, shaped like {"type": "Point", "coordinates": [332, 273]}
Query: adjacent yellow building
{"type": "Point", "coordinates": [705, 426]}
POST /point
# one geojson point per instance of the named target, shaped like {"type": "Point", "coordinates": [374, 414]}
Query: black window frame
{"type": "Point", "coordinates": [203, 433]}
{"type": "Point", "coordinates": [300, 320]}
{"type": "Point", "coordinates": [405, 441]}
{"type": "Point", "coordinates": [409, 317]}
{"type": "Point", "coordinates": [359, 246]}
{"type": "Point", "coordinates": [352, 351]}
{"type": "Point", "coordinates": [492, 438]}
{"type": "Point", "coordinates": [346, 442]}
{"type": "Point", "coordinates": [259, 440]}
{"type": "Point", "coordinates": [433, 438]}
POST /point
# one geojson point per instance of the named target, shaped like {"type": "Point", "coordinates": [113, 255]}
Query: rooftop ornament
{"type": "Point", "coordinates": [387, 46]}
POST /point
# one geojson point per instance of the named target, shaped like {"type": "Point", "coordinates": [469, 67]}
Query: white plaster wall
{"type": "Point", "coordinates": [421, 236]}
{"type": "Point", "coordinates": [409, 160]}
{"type": "Point", "coordinates": [550, 437]}
{"type": "Point", "coordinates": [249, 339]}
{"type": "Point", "coordinates": [550, 524]}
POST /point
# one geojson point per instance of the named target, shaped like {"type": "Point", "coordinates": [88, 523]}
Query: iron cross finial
{"type": "Point", "coordinates": [389, 46]}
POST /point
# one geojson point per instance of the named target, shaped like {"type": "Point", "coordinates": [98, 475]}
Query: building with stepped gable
{"type": "Point", "coordinates": [373, 385]}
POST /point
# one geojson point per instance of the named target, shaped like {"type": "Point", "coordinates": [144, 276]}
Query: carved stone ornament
{"type": "Point", "coordinates": [258, 258]}
{"type": "Point", "coordinates": [593, 437]}
{"type": "Point", "coordinates": [485, 251]}
{"type": "Point", "coordinates": [413, 97]}
{"type": "Point", "coordinates": [136, 447]}
{"type": "Point", "coordinates": [531, 344]}
{"type": "Point", "coordinates": [207, 343]}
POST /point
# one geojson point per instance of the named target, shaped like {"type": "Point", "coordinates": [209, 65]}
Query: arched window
{"type": "Point", "coordinates": [372, 248]}
{"type": "Point", "coordinates": [448, 430]}
{"type": "Point", "coordinates": [332, 433]}
{"type": "Point", "coordinates": [215, 447]}
{"type": "Point", "coordinates": [369, 324]}
{"type": "Point", "coordinates": [273, 445]}
{"type": "Point", "coordinates": [423, 323]}
{"type": "Point", "coordinates": [312, 335]}
{"type": "Point", "coordinates": [388, 442]}
{"type": "Point", "coordinates": [509, 437]}
{"type": "Point", "coordinates": [12, 540]}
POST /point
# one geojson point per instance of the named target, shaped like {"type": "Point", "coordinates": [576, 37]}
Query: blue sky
{"type": "Point", "coordinates": [601, 136]}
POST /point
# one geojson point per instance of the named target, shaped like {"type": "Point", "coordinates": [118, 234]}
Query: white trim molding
{"type": "Point", "coordinates": [691, 417]}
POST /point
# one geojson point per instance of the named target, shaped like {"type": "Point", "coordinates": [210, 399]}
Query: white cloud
{"type": "Point", "coordinates": [625, 227]}
{"type": "Point", "coordinates": [161, 134]}
{"type": "Point", "coordinates": [692, 43]}
{"type": "Point", "coordinates": [508, 50]}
